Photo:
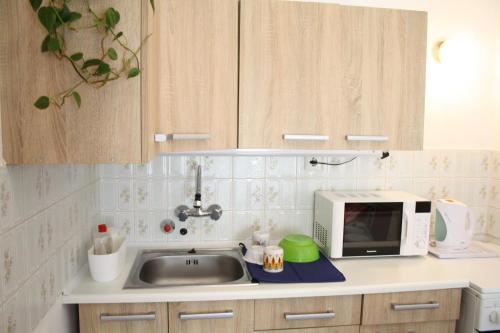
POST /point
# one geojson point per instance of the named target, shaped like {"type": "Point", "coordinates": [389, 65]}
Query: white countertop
{"type": "Point", "coordinates": [363, 276]}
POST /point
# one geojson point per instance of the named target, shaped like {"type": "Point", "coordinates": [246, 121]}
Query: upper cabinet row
{"type": "Point", "coordinates": [224, 74]}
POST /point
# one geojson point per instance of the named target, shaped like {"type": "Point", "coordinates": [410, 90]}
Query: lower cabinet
{"type": "Point", "coordinates": [339, 329]}
{"type": "Point", "coordinates": [211, 317]}
{"type": "Point", "coordinates": [272, 314]}
{"type": "Point", "coordinates": [433, 311]}
{"type": "Point", "coordinates": [123, 318]}
{"type": "Point", "coordinates": [432, 327]}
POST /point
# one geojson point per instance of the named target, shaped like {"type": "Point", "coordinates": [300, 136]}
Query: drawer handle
{"type": "Point", "coordinates": [159, 137]}
{"type": "Point", "coordinates": [304, 137]}
{"type": "Point", "coordinates": [367, 138]}
{"type": "Point", "coordinates": [420, 306]}
{"type": "Point", "coordinates": [213, 315]}
{"type": "Point", "coordinates": [308, 316]}
{"type": "Point", "coordinates": [130, 317]}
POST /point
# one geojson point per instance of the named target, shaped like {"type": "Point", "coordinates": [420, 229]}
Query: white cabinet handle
{"type": "Point", "coordinates": [305, 137]}
{"type": "Point", "coordinates": [367, 138]}
{"type": "Point", "coordinates": [213, 315]}
{"type": "Point", "coordinates": [159, 137]}
{"type": "Point", "coordinates": [131, 317]}
{"type": "Point", "coordinates": [418, 306]}
{"type": "Point", "coordinates": [308, 316]}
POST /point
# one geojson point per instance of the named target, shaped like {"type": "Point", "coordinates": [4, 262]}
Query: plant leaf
{"type": "Point", "coordinates": [45, 44]}
{"type": "Point", "coordinates": [118, 35]}
{"type": "Point", "coordinates": [64, 13]}
{"type": "Point", "coordinates": [133, 72]}
{"type": "Point", "coordinates": [77, 97]}
{"type": "Point", "coordinates": [74, 16]}
{"type": "Point", "coordinates": [76, 56]}
{"type": "Point", "coordinates": [112, 54]}
{"type": "Point", "coordinates": [91, 62]}
{"type": "Point", "coordinates": [53, 44]}
{"type": "Point", "coordinates": [47, 17]}
{"type": "Point", "coordinates": [42, 102]}
{"type": "Point", "coordinates": [103, 69]}
{"type": "Point", "coordinates": [35, 4]}
{"type": "Point", "coordinates": [152, 2]}
{"type": "Point", "coordinates": [112, 17]}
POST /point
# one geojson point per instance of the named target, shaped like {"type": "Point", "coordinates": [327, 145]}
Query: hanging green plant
{"type": "Point", "coordinates": [57, 18]}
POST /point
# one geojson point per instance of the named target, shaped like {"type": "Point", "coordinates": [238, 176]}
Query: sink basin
{"type": "Point", "coordinates": [165, 268]}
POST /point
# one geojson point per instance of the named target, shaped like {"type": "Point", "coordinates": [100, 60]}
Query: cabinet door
{"type": "Point", "coordinates": [340, 329]}
{"type": "Point", "coordinates": [383, 81]}
{"type": "Point", "coordinates": [211, 317]}
{"type": "Point", "coordinates": [271, 314]}
{"type": "Point", "coordinates": [409, 307]}
{"type": "Point", "coordinates": [191, 76]}
{"type": "Point", "coordinates": [123, 318]}
{"type": "Point", "coordinates": [107, 127]}
{"type": "Point", "coordinates": [431, 327]}
{"type": "Point", "coordinates": [289, 74]}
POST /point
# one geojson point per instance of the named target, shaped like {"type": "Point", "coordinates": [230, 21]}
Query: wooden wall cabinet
{"type": "Point", "coordinates": [326, 71]}
{"type": "Point", "coordinates": [191, 81]}
{"type": "Point", "coordinates": [321, 71]}
{"type": "Point", "coordinates": [107, 128]}
{"type": "Point", "coordinates": [188, 85]}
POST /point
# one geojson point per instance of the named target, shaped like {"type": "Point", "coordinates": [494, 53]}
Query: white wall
{"type": "Point", "coordinates": [497, 87]}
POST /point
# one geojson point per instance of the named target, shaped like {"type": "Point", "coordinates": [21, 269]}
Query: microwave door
{"type": "Point", "coordinates": [372, 229]}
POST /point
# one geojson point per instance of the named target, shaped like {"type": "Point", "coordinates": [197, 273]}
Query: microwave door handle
{"type": "Point", "coordinates": [404, 231]}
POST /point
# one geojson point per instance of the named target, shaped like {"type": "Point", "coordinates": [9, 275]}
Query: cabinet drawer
{"type": "Point", "coordinates": [307, 312]}
{"type": "Point", "coordinates": [206, 317]}
{"type": "Point", "coordinates": [340, 329]}
{"type": "Point", "coordinates": [409, 307]}
{"type": "Point", "coordinates": [123, 318]}
{"type": "Point", "coordinates": [432, 327]}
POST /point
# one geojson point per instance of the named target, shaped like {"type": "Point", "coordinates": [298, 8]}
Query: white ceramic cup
{"type": "Point", "coordinates": [273, 259]}
{"type": "Point", "coordinates": [260, 238]}
{"type": "Point", "coordinates": [255, 254]}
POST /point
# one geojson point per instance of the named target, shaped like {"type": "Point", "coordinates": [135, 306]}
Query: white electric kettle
{"type": "Point", "coordinates": [455, 224]}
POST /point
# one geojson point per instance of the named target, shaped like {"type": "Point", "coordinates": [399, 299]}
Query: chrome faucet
{"type": "Point", "coordinates": [183, 211]}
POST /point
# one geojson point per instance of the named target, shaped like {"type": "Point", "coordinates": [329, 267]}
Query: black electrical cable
{"type": "Point", "coordinates": [314, 161]}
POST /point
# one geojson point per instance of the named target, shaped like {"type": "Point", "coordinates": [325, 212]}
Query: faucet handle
{"type": "Point", "coordinates": [215, 212]}
{"type": "Point", "coordinates": [182, 212]}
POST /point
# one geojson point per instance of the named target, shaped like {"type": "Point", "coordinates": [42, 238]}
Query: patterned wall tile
{"type": "Point", "coordinates": [249, 167]}
{"type": "Point", "coordinates": [281, 167]}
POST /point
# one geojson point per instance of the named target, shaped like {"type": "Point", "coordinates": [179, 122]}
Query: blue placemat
{"type": "Point", "coordinates": [321, 270]}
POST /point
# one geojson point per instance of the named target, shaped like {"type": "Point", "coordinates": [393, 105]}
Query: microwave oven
{"type": "Point", "coordinates": [371, 223]}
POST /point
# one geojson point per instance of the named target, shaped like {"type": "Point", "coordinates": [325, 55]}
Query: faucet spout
{"type": "Point", "coordinates": [197, 195]}
{"type": "Point", "coordinates": [213, 211]}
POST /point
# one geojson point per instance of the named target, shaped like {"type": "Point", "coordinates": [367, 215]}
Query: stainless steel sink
{"type": "Point", "coordinates": [165, 268]}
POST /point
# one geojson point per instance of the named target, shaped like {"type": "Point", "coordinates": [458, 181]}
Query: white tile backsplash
{"type": "Point", "coordinates": [276, 192]}
{"type": "Point", "coordinates": [46, 213]}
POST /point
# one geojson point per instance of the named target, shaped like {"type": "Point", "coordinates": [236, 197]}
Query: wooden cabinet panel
{"type": "Point", "coordinates": [270, 314]}
{"type": "Point", "coordinates": [432, 327]}
{"type": "Point", "coordinates": [191, 80]}
{"type": "Point", "coordinates": [379, 308]}
{"type": "Point", "coordinates": [325, 69]}
{"type": "Point", "coordinates": [241, 321]}
{"type": "Point", "coordinates": [340, 329]}
{"type": "Point", "coordinates": [289, 73]}
{"type": "Point", "coordinates": [107, 127]}
{"type": "Point", "coordinates": [92, 320]}
{"type": "Point", "coordinates": [383, 59]}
